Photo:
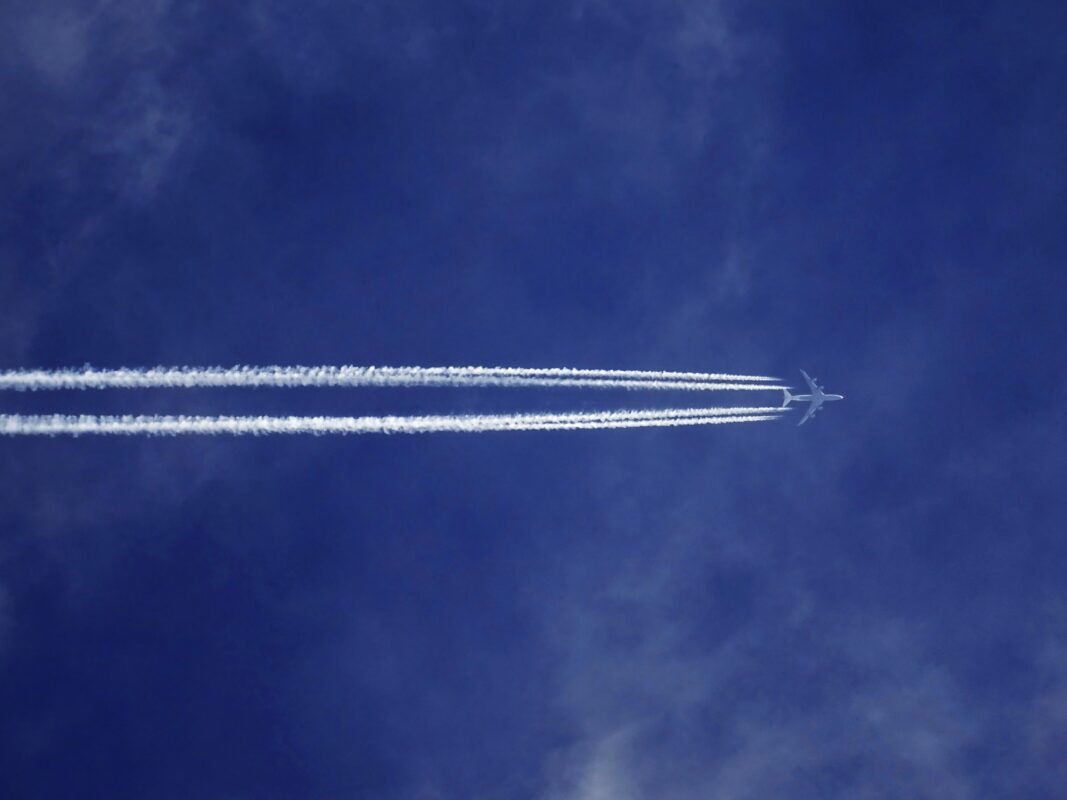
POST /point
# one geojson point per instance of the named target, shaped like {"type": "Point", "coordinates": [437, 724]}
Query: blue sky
{"type": "Point", "coordinates": [873, 192]}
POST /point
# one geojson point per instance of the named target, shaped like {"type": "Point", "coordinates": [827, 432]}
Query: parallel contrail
{"type": "Point", "coordinates": [565, 372]}
{"type": "Point", "coordinates": [50, 425]}
{"type": "Point", "coordinates": [189, 377]}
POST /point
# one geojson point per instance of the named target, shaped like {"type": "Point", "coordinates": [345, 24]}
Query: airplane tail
{"type": "Point", "coordinates": [788, 397]}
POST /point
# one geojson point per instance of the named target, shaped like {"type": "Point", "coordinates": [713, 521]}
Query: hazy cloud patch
{"type": "Point", "coordinates": [637, 117]}
{"type": "Point", "coordinates": [143, 133]}
{"type": "Point", "coordinates": [56, 45]}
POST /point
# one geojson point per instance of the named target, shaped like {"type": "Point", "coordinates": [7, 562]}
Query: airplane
{"type": "Point", "coordinates": [816, 398]}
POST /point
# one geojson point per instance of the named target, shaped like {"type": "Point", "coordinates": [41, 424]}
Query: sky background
{"type": "Point", "coordinates": [870, 606]}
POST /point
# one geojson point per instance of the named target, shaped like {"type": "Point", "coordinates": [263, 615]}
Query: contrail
{"type": "Point", "coordinates": [564, 372]}
{"type": "Point", "coordinates": [50, 425]}
{"type": "Point", "coordinates": [189, 377]}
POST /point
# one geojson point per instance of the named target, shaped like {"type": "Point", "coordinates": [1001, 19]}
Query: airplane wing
{"type": "Point", "coordinates": [807, 414]}
{"type": "Point", "coordinates": [812, 385]}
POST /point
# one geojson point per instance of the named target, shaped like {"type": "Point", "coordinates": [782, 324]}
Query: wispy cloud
{"type": "Point", "coordinates": [652, 111]}
{"type": "Point", "coordinates": [143, 132]}
{"type": "Point", "coordinates": [105, 110]}
{"type": "Point", "coordinates": [725, 731]}
{"type": "Point", "coordinates": [55, 42]}
{"type": "Point", "coordinates": [108, 70]}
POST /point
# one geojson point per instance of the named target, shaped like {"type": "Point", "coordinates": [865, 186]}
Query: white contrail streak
{"type": "Point", "coordinates": [564, 372]}
{"type": "Point", "coordinates": [189, 377]}
{"type": "Point", "coordinates": [50, 425]}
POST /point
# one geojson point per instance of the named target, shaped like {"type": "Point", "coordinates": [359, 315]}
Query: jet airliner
{"type": "Point", "coordinates": [815, 399]}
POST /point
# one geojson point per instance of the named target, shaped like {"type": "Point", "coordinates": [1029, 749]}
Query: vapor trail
{"type": "Point", "coordinates": [565, 372]}
{"type": "Point", "coordinates": [50, 425]}
{"type": "Point", "coordinates": [189, 377]}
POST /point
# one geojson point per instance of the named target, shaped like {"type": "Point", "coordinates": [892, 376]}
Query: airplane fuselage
{"type": "Point", "coordinates": [816, 398]}
{"type": "Point", "coordinates": [821, 397]}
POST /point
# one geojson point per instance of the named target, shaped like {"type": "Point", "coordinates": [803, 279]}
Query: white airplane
{"type": "Point", "coordinates": [816, 398]}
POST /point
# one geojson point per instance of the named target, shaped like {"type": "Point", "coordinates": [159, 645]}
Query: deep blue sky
{"type": "Point", "coordinates": [873, 605]}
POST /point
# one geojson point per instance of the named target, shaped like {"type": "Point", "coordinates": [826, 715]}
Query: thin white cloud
{"type": "Point", "coordinates": [55, 43]}
{"type": "Point", "coordinates": [81, 55]}
{"type": "Point", "coordinates": [603, 773]}
{"type": "Point", "coordinates": [651, 110]}
{"type": "Point", "coordinates": [906, 723]}
{"type": "Point", "coordinates": [143, 132]}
